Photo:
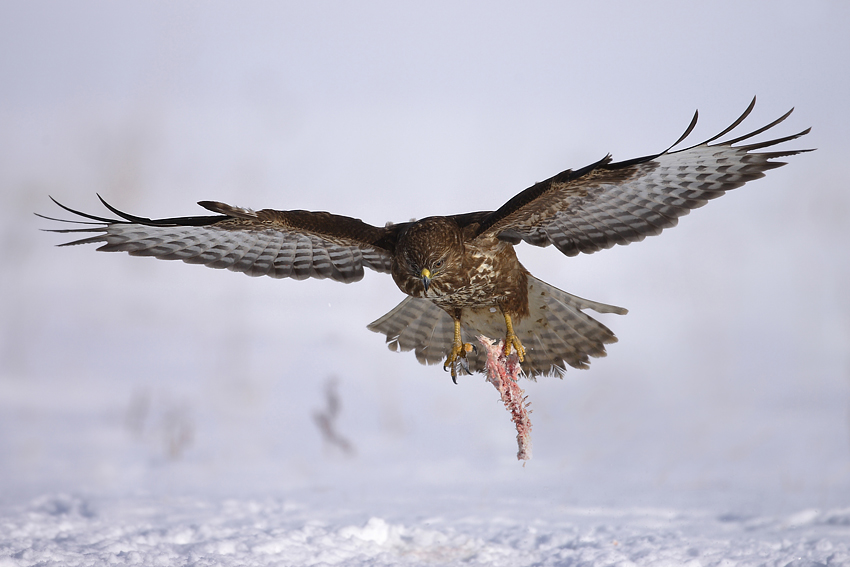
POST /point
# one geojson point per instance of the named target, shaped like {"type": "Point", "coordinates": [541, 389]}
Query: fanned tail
{"type": "Point", "coordinates": [556, 333]}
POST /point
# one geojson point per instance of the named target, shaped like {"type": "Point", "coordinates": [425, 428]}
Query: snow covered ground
{"type": "Point", "coordinates": [67, 530]}
{"type": "Point", "coordinates": [155, 413]}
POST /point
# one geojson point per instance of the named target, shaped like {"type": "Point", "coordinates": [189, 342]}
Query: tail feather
{"type": "Point", "coordinates": [418, 325]}
{"type": "Point", "coordinates": [555, 334]}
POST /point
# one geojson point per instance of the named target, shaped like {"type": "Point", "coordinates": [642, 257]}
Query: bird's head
{"type": "Point", "coordinates": [429, 253]}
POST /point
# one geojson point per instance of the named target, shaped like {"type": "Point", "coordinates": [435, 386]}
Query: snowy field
{"type": "Point", "coordinates": [76, 531]}
{"type": "Point", "coordinates": [154, 413]}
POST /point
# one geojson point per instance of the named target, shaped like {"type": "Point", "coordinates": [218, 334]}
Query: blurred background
{"type": "Point", "coordinates": [729, 388]}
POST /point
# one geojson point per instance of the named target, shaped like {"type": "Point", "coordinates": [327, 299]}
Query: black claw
{"type": "Point", "coordinates": [447, 367]}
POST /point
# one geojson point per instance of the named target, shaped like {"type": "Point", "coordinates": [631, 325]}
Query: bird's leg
{"type": "Point", "coordinates": [458, 352]}
{"type": "Point", "coordinates": [512, 340]}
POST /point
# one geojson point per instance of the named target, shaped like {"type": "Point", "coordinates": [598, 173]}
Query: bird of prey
{"type": "Point", "coordinates": [460, 272]}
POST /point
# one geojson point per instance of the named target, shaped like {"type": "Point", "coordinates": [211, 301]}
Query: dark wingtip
{"type": "Point", "coordinates": [687, 133]}
{"type": "Point", "coordinates": [768, 143]}
{"type": "Point", "coordinates": [736, 122]}
{"type": "Point", "coordinates": [749, 135]}
{"type": "Point", "coordinates": [760, 130]}
{"type": "Point", "coordinates": [54, 219]}
{"type": "Point", "coordinates": [126, 216]}
{"type": "Point", "coordinates": [78, 213]}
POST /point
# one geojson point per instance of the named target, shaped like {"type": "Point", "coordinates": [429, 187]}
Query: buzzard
{"type": "Point", "coordinates": [460, 273]}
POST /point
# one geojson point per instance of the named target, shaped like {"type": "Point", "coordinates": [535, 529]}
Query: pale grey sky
{"type": "Point", "coordinates": [387, 111]}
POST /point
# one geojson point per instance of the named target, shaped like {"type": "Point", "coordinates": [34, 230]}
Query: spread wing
{"type": "Point", "coordinates": [609, 203]}
{"type": "Point", "coordinates": [280, 244]}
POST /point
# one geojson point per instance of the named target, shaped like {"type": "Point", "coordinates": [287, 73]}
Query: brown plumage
{"type": "Point", "coordinates": [460, 272]}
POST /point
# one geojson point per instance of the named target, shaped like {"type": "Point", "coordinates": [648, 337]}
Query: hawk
{"type": "Point", "coordinates": [460, 272]}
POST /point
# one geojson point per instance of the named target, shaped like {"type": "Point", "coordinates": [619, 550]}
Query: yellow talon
{"type": "Point", "coordinates": [458, 352]}
{"type": "Point", "coordinates": [511, 340]}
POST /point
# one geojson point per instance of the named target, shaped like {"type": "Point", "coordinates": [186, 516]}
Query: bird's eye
{"type": "Point", "coordinates": [438, 264]}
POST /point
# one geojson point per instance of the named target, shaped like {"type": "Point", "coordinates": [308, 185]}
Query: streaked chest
{"type": "Point", "coordinates": [491, 275]}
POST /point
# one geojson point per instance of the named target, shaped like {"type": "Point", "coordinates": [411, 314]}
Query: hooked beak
{"type": "Point", "coordinates": [426, 278]}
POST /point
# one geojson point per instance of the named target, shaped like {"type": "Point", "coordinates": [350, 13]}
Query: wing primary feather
{"type": "Point", "coordinates": [734, 124]}
{"type": "Point", "coordinates": [82, 214]}
{"type": "Point", "coordinates": [68, 230]}
{"type": "Point", "coordinates": [176, 221]}
{"type": "Point", "coordinates": [54, 219]}
{"type": "Point", "coordinates": [126, 216]}
{"type": "Point", "coordinates": [687, 133]}
{"type": "Point", "coordinates": [89, 240]}
{"type": "Point", "coordinates": [769, 143]}
{"type": "Point", "coordinates": [760, 130]}
{"type": "Point", "coordinates": [681, 139]}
